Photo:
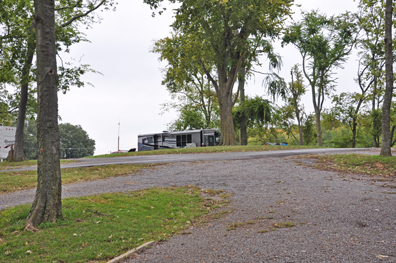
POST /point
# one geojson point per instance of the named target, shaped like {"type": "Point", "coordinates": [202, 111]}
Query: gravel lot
{"type": "Point", "coordinates": [337, 217]}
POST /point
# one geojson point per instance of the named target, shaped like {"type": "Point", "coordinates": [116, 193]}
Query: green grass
{"type": "Point", "coordinates": [372, 165]}
{"type": "Point", "coordinates": [22, 180]}
{"type": "Point", "coordinates": [15, 165]}
{"type": "Point", "coordinates": [236, 148]}
{"type": "Point", "coordinates": [101, 227]}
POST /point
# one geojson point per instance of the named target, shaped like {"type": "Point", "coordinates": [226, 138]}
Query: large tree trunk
{"type": "Point", "coordinates": [224, 95]}
{"type": "Point", "coordinates": [386, 135]}
{"type": "Point", "coordinates": [242, 124]}
{"type": "Point", "coordinates": [19, 155]}
{"type": "Point", "coordinates": [47, 205]}
{"type": "Point", "coordinates": [227, 122]}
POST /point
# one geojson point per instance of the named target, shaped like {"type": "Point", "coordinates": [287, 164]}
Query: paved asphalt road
{"type": "Point", "coordinates": [171, 158]}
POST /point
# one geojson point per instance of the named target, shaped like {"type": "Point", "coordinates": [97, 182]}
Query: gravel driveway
{"type": "Point", "coordinates": [337, 217]}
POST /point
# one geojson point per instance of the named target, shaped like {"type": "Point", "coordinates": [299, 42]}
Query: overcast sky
{"type": "Point", "coordinates": [130, 92]}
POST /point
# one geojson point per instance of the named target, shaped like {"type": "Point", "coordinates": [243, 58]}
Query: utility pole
{"type": "Point", "coordinates": [118, 136]}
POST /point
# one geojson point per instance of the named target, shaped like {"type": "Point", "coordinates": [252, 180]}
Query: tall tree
{"type": "Point", "coordinates": [20, 47]}
{"type": "Point", "coordinates": [292, 95]}
{"type": "Point", "coordinates": [324, 44]}
{"type": "Point", "coordinates": [185, 79]}
{"type": "Point", "coordinates": [47, 205]}
{"type": "Point", "coordinates": [371, 22]}
{"type": "Point", "coordinates": [243, 118]}
{"type": "Point", "coordinates": [228, 33]}
{"type": "Point", "coordinates": [386, 132]}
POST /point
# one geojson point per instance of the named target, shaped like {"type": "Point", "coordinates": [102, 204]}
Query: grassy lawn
{"type": "Point", "coordinates": [372, 165]}
{"type": "Point", "coordinates": [98, 228]}
{"type": "Point", "coordinates": [22, 180]}
{"type": "Point", "coordinates": [235, 148]}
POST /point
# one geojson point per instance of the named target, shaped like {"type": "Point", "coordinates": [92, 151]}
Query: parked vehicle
{"type": "Point", "coordinates": [178, 139]}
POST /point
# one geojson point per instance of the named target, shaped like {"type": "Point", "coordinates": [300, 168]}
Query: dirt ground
{"type": "Point", "coordinates": [281, 211]}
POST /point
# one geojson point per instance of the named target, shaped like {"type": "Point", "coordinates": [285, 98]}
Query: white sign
{"type": "Point", "coordinates": [7, 138]}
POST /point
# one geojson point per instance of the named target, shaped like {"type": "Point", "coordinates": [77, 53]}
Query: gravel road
{"type": "Point", "coordinates": [337, 217]}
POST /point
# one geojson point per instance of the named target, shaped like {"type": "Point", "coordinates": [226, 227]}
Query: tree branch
{"type": "Point", "coordinates": [82, 15]}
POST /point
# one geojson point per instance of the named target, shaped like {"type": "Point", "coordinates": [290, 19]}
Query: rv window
{"type": "Point", "coordinates": [182, 140]}
{"type": "Point", "coordinates": [150, 139]}
{"type": "Point", "coordinates": [178, 141]}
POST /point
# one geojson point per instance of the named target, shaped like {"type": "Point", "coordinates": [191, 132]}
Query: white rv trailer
{"type": "Point", "coordinates": [7, 139]}
{"type": "Point", "coordinates": [178, 139]}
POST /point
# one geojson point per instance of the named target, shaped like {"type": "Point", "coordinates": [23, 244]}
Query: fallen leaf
{"type": "Point", "coordinates": [382, 256]}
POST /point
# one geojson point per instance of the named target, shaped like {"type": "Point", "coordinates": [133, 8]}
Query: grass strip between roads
{"type": "Point", "coordinates": [22, 180]}
{"type": "Point", "coordinates": [15, 165]}
{"type": "Point", "coordinates": [217, 149]}
{"type": "Point", "coordinates": [372, 165]}
{"type": "Point", "coordinates": [100, 227]}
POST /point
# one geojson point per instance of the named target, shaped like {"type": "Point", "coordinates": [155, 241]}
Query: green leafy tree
{"type": "Point", "coordinates": [189, 119]}
{"type": "Point", "coordinates": [18, 44]}
{"type": "Point", "coordinates": [186, 80]}
{"type": "Point", "coordinates": [309, 129]}
{"type": "Point", "coordinates": [292, 95]}
{"type": "Point", "coordinates": [230, 34]}
{"type": "Point", "coordinates": [386, 109]}
{"type": "Point", "coordinates": [75, 142]}
{"type": "Point", "coordinates": [371, 74]}
{"type": "Point", "coordinates": [257, 111]}
{"type": "Point", "coordinates": [324, 44]}
{"type": "Point", "coordinates": [348, 106]}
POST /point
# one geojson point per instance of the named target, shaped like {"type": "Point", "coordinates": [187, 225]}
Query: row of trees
{"type": "Point", "coordinates": [215, 45]}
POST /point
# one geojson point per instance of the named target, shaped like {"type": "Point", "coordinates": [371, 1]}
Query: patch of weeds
{"type": "Point", "coordinates": [100, 227]}
{"type": "Point", "coordinates": [282, 225]}
{"type": "Point", "coordinates": [233, 226]}
{"type": "Point", "coordinates": [371, 165]}
{"type": "Point", "coordinates": [212, 192]}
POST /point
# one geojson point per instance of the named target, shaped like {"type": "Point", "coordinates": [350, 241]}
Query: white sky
{"type": "Point", "coordinates": [130, 90]}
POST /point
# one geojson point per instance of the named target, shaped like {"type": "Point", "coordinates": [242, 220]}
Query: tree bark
{"type": "Point", "coordinates": [47, 205]}
{"type": "Point", "coordinates": [386, 135]}
{"type": "Point", "coordinates": [318, 128]}
{"type": "Point", "coordinates": [300, 132]}
{"type": "Point", "coordinates": [19, 155]}
{"type": "Point", "coordinates": [242, 124]}
{"type": "Point", "coordinates": [227, 122]}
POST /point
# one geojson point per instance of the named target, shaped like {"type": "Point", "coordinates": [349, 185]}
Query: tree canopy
{"type": "Point", "coordinates": [225, 36]}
